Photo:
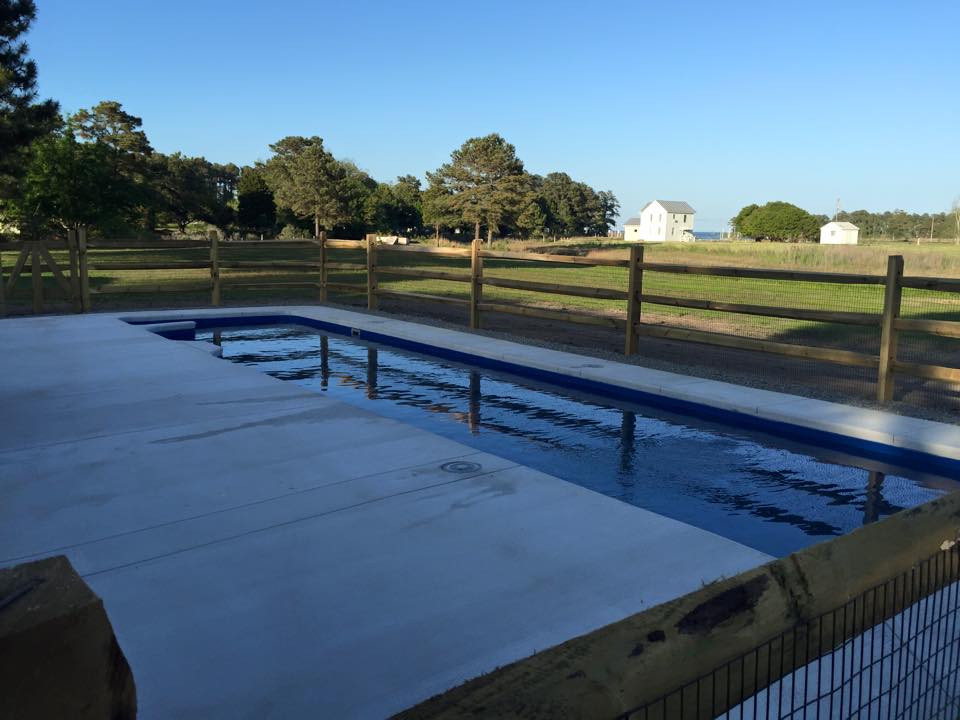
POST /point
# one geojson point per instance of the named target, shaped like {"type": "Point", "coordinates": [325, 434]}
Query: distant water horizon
{"type": "Point", "coordinates": [706, 234]}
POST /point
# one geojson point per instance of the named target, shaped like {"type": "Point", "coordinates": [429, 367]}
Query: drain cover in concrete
{"type": "Point", "coordinates": [460, 466]}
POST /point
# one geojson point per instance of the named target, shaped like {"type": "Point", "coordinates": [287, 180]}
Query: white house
{"type": "Point", "coordinates": [839, 233]}
{"type": "Point", "coordinates": [661, 221]}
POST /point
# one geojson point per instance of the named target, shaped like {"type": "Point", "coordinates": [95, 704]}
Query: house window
{"type": "Point", "coordinates": [684, 218]}
{"type": "Point", "coordinates": [832, 233]}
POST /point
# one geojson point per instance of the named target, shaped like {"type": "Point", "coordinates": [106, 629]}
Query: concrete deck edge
{"type": "Point", "coordinates": [765, 407]}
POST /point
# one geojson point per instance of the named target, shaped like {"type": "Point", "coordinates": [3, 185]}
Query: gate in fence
{"type": "Point", "coordinates": [34, 257]}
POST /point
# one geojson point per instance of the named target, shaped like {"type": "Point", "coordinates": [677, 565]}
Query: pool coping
{"type": "Point", "coordinates": [922, 444]}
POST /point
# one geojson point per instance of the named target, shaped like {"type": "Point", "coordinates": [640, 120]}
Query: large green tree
{"type": "Point", "coordinates": [121, 140]}
{"type": "Point", "coordinates": [109, 124]}
{"type": "Point", "coordinates": [484, 183]}
{"type": "Point", "coordinates": [68, 184]}
{"type": "Point", "coordinates": [409, 198]}
{"type": "Point", "coordinates": [181, 183]}
{"type": "Point", "coordinates": [380, 212]}
{"type": "Point", "coordinates": [311, 182]}
{"type": "Point", "coordinates": [353, 192]}
{"type": "Point", "coordinates": [195, 189]}
{"type": "Point", "coordinates": [395, 208]}
{"type": "Point", "coordinates": [740, 222]}
{"type": "Point", "coordinates": [777, 221]}
{"type": "Point", "coordinates": [22, 118]}
{"type": "Point", "coordinates": [606, 218]}
{"type": "Point", "coordinates": [438, 210]}
{"type": "Point", "coordinates": [533, 218]}
{"type": "Point", "coordinates": [574, 208]}
{"type": "Point", "coordinates": [219, 207]}
{"type": "Point", "coordinates": [256, 209]}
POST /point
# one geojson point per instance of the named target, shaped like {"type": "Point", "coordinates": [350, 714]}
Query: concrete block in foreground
{"type": "Point", "coordinates": [58, 654]}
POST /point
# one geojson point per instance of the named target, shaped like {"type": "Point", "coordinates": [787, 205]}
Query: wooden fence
{"type": "Point", "coordinates": [72, 276]}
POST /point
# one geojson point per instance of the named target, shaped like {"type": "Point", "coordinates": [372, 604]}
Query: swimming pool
{"type": "Point", "coordinates": [763, 491]}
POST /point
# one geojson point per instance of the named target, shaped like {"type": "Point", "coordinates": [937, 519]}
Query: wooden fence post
{"type": "Point", "coordinates": [476, 284]}
{"type": "Point", "coordinates": [373, 302]}
{"type": "Point", "coordinates": [893, 291]}
{"type": "Point", "coordinates": [82, 263]}
{"type": "Point", "coordinates": [36, 277]}
{"type": "Point", "coordinates": [634, 291]}
{"type": "Point", "coordinates": [215, 269]}
{"type": "Point", "coordinates": [323, 265]}
{"type": "Point", "coordinates": [75, 300]}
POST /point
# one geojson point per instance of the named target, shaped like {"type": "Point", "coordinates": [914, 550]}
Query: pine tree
{"type": "Point", "coordinates": [533, 219]}
{"type": "Point", "coordinates": [22, 118]}
{"type": "Point", "coordinates": [310, 182]}
{"type": "Point", "coordinates": [256, 209]}
{"type": "Point", "coordinates": [484, 183]}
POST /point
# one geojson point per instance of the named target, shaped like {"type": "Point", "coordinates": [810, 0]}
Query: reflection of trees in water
{"type": "Point", "coordinates": [628, 443]}
{"type": "Point", "coordinates": [404, 391]}
{"type": "Point", "coordinates": [419, 391]}
{"type": "Point", "coordinates": [473, 415]}
{"type": "Point", "coordinates": [874, 503]}
{"type": "Point", "coordinates": [372, 368]}
{"type": "Point", "coordinates": [324, 362]}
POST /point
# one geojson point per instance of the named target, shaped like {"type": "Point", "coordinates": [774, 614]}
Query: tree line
{"type": "Point", "coordinates": [782, 221]}
{"type": "Point", "coordinates": [901, 225]}
{"type": "Point", "coordinates": [96, 168]}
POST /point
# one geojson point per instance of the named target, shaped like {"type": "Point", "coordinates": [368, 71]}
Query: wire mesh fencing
{"type": "Point", "coordinates": [891, 652]}
{"type": "Point", "coordinates": [756, 311]}
{"type": "Point", "coordinates": [926, 348]}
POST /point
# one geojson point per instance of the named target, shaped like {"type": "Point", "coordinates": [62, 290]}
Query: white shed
{"type": "Point", "coordinates": [631, 229]}
{"type": "Point", "coordinates": [839, 233]}
{"type": "Point", "coordinates": [661, 221]}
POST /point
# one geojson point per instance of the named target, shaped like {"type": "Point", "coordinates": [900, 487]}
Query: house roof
{"type": "Point", "coordinates": [672, 206]}
{"type": "Point", "coordinates": [632, 221]}
{"type": "Point", "coordinates": [842, 224]}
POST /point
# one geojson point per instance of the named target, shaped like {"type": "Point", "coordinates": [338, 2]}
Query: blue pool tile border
{"type": "Point", "coordinates": [906, 457]}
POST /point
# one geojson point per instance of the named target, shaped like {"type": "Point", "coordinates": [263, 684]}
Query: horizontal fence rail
{"type": "Point", "coordinates": [369, 264]}
{"type": "Point", "coordinates": [886, 319]}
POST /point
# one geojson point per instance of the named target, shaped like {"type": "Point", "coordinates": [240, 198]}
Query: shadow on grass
{"type": "Point", "coordinates": [913, 347]}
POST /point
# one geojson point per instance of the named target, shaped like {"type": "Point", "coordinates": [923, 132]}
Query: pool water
{"type": "Point", "coordinates": [759, 490]}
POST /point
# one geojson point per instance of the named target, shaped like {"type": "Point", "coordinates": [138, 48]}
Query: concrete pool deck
{"type": "Point", "coordinates": [264, 551]}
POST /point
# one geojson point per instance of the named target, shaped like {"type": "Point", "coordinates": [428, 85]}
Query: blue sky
{"type": "Point", "coordinates": [717, 103]}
